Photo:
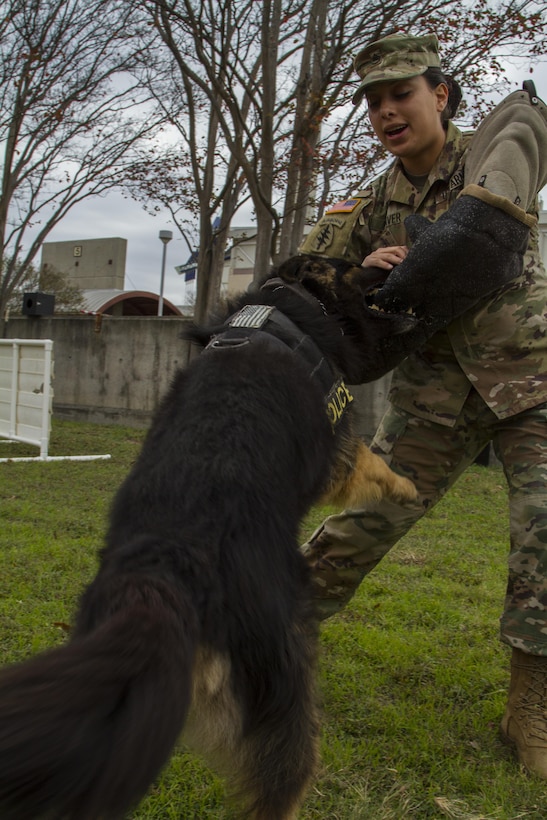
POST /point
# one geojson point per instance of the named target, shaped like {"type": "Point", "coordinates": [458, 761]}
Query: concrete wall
{"type": "Point", "coordinates": [111, 370]}
{"type": "Point", "coordinates": [115, 369]}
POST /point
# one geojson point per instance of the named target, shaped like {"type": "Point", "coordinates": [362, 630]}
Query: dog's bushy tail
{"type": "Point", "coordinates": [86, 728]}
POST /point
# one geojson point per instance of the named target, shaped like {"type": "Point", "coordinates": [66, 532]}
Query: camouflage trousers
{"type": "Point", "coordinates": [348, 546]}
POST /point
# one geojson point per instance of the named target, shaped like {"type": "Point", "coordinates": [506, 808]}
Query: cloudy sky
{"type": "Point", "coordinates": [115, 216]}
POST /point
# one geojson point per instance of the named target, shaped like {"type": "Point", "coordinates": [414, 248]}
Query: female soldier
{"type": "Point", "coordinates": [476, 363]}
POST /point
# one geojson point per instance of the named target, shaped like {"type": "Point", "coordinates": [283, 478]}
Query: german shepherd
{"type": "Point", "coordinates": [200, 622]}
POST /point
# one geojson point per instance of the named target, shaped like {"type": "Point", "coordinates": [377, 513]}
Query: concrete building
{"type": "Point", "coordinates": [239, 263]}
{"type": "Point", "coordinates": [97, 268]}
{"type": "Point", "coordinates": [237, 273]}
{"type": "Point", "coordinates": [88, 263]}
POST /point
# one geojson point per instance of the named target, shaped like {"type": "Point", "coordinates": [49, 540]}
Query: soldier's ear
{"type": "Point", "coordinates": [441, 94]}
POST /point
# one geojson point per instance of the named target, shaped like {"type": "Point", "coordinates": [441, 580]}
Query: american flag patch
{"type": "Point", "coordinates": [251, 316]}
{"type": "Point", "coordinates": [344, 207]}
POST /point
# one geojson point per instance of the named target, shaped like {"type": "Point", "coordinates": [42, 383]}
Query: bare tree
{"type": "Point", "coordinates": [68, 297]}
{"type": "Point", "coordinates": [71, 114]}
{"type": "Point", "coordinates": [264, 101]}
{"type": "Point", "coordinates": [199, 181]}
{"type": "Point", "coordinates": [227, 97]}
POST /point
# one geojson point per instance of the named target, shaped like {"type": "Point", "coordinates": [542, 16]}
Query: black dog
{"type": "Point", "coordinates": [199, 621]}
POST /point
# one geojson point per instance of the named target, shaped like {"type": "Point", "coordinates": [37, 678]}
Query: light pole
{"type": "Point", "coordinates": [165, 236]}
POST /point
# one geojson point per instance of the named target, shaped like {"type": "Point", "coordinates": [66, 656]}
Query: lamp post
{"type": "Point", "coordinates": [165, 237]}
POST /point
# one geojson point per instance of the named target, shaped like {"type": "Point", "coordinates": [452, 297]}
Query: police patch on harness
{"type": "Point", "coordinates": [338, 400]}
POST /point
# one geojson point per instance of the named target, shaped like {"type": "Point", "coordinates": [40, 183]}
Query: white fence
{"type": "Point", "coordinates": [26, 396]}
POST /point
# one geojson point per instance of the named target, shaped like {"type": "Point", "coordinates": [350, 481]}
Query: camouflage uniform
{"type": "Point", "coordinates": [481, 379]}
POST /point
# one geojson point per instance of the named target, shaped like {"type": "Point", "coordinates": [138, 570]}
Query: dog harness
{"type": "Point", "coordinates": [267, 325]}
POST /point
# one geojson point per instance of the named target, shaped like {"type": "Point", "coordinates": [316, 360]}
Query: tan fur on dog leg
{"type": "Point", "coordinates": [370, 479]}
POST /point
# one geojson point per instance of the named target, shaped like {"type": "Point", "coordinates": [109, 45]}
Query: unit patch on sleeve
{"type": "Point", "coordinates": [323, 237]}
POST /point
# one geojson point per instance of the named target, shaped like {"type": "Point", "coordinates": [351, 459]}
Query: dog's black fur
{"type": "Point", "coordinates": [200, 618]}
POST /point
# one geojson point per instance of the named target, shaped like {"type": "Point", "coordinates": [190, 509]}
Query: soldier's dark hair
{"type": "Point", "coordinates": [434, 77]}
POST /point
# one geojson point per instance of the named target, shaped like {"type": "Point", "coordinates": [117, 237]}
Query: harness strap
{"type": "Point", "coordinates": [266, 325]}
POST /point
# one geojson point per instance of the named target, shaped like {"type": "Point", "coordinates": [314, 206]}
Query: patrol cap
{"type": "Point", "coordinates": [395, 57]}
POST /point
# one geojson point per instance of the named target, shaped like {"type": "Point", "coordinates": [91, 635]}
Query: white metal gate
{"type": "Point", "coordinates": [26, 396]}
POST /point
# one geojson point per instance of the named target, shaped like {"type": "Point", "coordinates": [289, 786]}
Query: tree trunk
{"type": "Point", "coordinates": [307, 123]}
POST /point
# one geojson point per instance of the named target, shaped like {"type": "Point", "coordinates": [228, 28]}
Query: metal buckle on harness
{"type": "Point", "coordinates": [218, 342]}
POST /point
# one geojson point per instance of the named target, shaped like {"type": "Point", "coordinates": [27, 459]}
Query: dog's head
{"type": "Point", "coordinates": [344, 290]}
{"type": "Point", "coordinates": [334, 282]}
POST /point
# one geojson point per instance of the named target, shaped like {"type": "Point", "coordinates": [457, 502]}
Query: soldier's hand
{"type": "Point", "coordinates": [385, 258]}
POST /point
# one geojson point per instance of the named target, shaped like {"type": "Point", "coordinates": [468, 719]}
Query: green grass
{"type": "Point", "coordinates": [413, 677]}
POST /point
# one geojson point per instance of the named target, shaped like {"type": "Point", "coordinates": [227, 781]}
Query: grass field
{"type": "Point", "coordinates": [413, 677]}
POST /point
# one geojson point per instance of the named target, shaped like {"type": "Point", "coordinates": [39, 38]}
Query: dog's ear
{"type": "Point", "coordinates": [359, 281]}
{"type": "Point", "coordinates": [339, 276]}
{"type": "Point", "coordinates": [289, 270]}
{"type": "Point", "coordinates": [301, 267]}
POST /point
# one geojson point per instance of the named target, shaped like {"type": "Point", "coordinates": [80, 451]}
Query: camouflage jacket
{"type": "Point", "coordinates": [499, 348]}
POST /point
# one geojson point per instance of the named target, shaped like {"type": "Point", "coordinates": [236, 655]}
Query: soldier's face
{"type": "Point", "coordinates": [406, 117]}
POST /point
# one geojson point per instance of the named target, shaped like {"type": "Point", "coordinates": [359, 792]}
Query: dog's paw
{"type": "Point", "coordinates": [401, 489]}
{"type": "Point", "coordinates": [372, 480]}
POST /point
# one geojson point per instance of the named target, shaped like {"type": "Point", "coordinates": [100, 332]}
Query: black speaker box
{"type": "Point", "coordinates": [38, 304]}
